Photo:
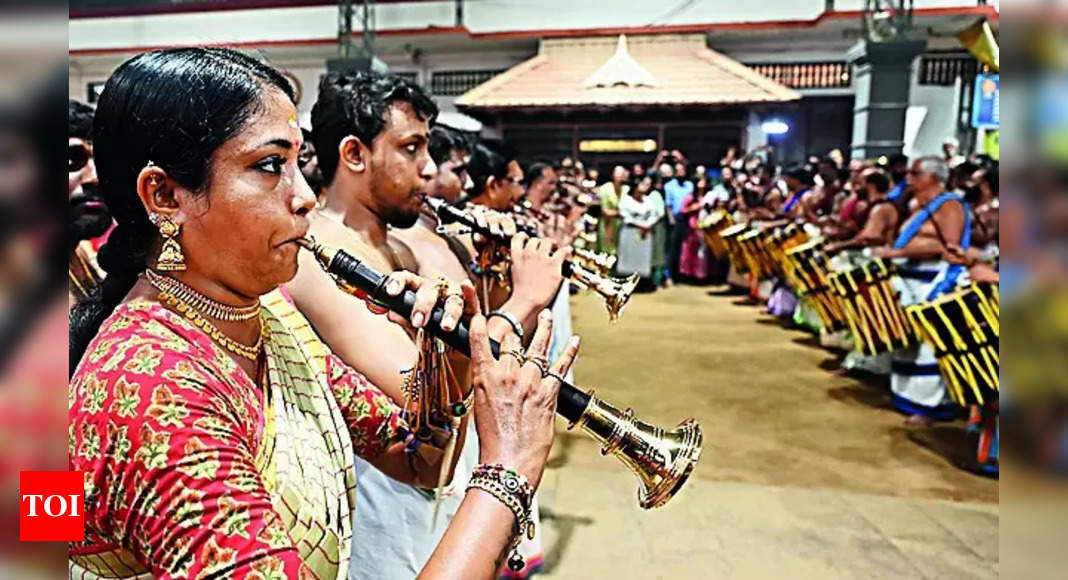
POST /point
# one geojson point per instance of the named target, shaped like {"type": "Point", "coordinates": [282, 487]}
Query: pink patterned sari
{"type": "Point", "coordinates": [194, 470]}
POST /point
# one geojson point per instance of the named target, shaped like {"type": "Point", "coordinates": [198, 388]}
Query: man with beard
{"type": "Point", "coordinates": [444, 253]}
{"type": "Point", "coordinates": [542, 183]}
{"type": "Point", "coordinates": [880, 227]}
{"type": "Point", "coordinates": [371, 135]}
{"type": "Point", "coordinates": [981, 191]}
{"type": "Point", "coordinates": [854, 205]}
{"type": "Point", "coordinates": [817, 203]}
{"type": "Point", "coordinates": [496, 185]}
{"type": "Point", "coordinates": [798, 184]}
{"type": "Point", "coordinates": [448, 252]}
{"type": "Point", "coordinates": [89, 218]}
{"type": "Point", "coordinates": [495, 175]}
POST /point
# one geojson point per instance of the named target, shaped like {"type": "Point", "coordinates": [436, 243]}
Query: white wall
{"type": "Point", "coordinates": [308, 73]}
{"type": "Point", "coordinates": [859, 4]}
{"type": "Point", "coordinates": [754, 135]}
{"type": "Point", "coordinates": [84, 70]}
{"type": "Point", "coordinates": [940, 121]}
{"type": "Point", "coordinates": [480, 16]}
{"type": "Point", "coordinates": [563, 14]}
{"type": "Point", "coordinates": [243, 26]}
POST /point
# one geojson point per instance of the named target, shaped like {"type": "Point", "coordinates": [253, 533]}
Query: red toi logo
{"type": "Point", "coordinates": [50, 506]}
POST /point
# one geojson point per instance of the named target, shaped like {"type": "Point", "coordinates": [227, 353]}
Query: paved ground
{"type": "Point", "coordinates": [804, 473]}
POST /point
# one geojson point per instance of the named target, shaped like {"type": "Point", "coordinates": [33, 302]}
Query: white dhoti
{"type": "Point", "coordinates": [876, 365]}
{"type": "Point", "coordinates": [561, 310]}
{"type": "Point", "coordinates": [915, 379]}
{"type": "Point", "coordinates": [393, 536]}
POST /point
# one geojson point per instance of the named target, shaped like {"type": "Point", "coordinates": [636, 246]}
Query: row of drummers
{"type": "Point", "coordinates": [859, 293]}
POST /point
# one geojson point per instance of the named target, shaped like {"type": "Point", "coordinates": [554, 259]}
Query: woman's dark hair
{"type": "Point", "coordinates": [490, 158]}
{"type": "Point", "coordinates": [641, 179]}
{"type": "Point", "coordinates": [355, 103]}
{"type": "Point", "coordinates": [174, 108]}
{"type": "Point", "coordinates": [697, 187]}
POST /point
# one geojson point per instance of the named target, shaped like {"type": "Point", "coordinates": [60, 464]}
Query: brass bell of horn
{"type": "Point", "coordinates": [661, 460]}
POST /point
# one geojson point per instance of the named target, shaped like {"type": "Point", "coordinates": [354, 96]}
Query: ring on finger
{"type": "Point", "coordinates": [518, 356]}
{"type": "Point", "coordinates": [550, 374]}
{"type": "Point", "coordinates": [543, 368]}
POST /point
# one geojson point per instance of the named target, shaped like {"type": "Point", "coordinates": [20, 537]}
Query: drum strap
{"type": "Point", "coordinates": [951, 271]}
{"type": "Point", "coordinates": [790, 203]}
{"type": "Point", "coordinates": [913, 225]}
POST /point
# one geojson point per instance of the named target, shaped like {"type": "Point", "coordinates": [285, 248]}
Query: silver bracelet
{"type": "Point", "coordinates": [512, 320]}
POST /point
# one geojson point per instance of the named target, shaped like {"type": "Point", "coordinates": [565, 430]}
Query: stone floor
{"type": "Point", "coordinates": [804, 473]}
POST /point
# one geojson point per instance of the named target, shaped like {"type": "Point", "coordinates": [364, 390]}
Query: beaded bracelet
{"type": "Point", "coordinates": [513, 490]}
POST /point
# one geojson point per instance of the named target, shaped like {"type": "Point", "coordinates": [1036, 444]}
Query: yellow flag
{"type": "Point", "coordinates": [979, 40]}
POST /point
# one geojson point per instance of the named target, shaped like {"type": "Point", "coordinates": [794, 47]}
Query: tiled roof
{"type": "Point", "coordinates": [686, 72]}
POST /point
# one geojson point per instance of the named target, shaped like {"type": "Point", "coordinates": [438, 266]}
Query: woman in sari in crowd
{"type": "Point", "coordinates": [661, 233]}
{"type": "Point", "coordinates": [214, 441]}
{"type": "Point", "coordinates": [694, 256]}
{"type": "Point", "coordinates": [640, 212]}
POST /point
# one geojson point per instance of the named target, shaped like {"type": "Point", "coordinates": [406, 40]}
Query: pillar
{"type": "Point", "coordinates": [882, 75]}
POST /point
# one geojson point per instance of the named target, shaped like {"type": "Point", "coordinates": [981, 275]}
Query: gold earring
{"type": "Point", "coordinates": [171, 258]}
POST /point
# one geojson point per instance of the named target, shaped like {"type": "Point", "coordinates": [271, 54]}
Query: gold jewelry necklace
{"type": "Point", "coordinates": [250, 352]}
{"type": "Point", "coordinates": [212, 308]}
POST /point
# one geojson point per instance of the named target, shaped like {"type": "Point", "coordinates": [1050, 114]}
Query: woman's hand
{"type": "Point", "coordinates": [515, 404]}
{"type": "Point", "coordinates": [536, 269]}
{"type": "Point", "coordinates": [459, 299]}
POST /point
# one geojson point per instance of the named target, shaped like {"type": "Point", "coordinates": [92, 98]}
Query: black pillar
{"type": "Point", "coordinates": [882, 74]}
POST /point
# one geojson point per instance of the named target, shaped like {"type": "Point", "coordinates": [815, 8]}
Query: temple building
{"type": "Point", "coordinates": [618, 99]}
